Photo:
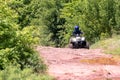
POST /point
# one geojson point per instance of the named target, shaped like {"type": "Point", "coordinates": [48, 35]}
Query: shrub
{"type": "Point", "coordinates": [17, 46]}
{"type": "Point", "coordinates": [15, 73]}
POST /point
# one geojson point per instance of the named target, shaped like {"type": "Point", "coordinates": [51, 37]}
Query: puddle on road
{"type": "Point", "coordinates": [107, 79]}
{"type": "Point", "coordinates": [100, 60]}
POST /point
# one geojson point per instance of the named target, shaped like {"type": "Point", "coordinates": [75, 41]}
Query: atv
{"type": "Point", "coordinates": [78, 42]}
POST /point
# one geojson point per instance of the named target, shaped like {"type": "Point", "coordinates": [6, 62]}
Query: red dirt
{"type": "Point", "coordinates": [80, 64]}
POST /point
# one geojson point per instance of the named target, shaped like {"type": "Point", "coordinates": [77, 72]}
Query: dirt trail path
{"type": "Point", "coordinates": [80, 64]}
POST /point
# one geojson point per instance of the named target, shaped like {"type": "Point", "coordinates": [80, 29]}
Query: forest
{"type": "Point", "coordinates": [24, 24]}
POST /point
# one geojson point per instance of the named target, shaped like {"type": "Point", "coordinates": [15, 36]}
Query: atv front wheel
{"type": "Point", "coordinates": [87, 45]}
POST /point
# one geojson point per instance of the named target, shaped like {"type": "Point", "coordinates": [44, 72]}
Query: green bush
{"type": "Point", "coordinates": [15, 73]}
{"type": "Point", "coordinates": [22, 50]}
{"type": "Point", "coordinates": [17, 46]}
{"type": "Point", "coordinates": [109, 45]}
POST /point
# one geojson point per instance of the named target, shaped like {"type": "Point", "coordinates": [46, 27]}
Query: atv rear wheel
{"type": "Point", "coordinates": [70, 45]}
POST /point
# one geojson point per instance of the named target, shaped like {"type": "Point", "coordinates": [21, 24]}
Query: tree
{"type": "Point", "coordinates": [96, 18]}
{"type": "Point", "coordinates": [56, 18]}
{"type": "Point", "coordinates": [117, 16]}
{"type": "Point", "coordinates": [17, 46]}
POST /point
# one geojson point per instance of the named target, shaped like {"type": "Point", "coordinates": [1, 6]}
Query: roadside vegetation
{"type": "Point", "coordinates": [18, 58]}
{"type": "Point", "coordinates": [109, 45]}
{"type": "Point", "coordinates": [15, 73]}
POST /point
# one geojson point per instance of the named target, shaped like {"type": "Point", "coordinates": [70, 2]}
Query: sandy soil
{"type": "Point", "coordinates": [80, 64]}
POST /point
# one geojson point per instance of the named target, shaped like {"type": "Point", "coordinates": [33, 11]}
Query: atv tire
{"type": "Point", "coordinates": [87, 46]}
{"type": "Point", "coordinates": [70, 45]}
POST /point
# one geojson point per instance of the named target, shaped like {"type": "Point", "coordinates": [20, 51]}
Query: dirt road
{"type": "Point", "coordinates": [80, 64]}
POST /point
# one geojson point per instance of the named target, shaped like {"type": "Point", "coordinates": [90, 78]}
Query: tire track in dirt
{"type": "Point", "coordinates": [80, 64]}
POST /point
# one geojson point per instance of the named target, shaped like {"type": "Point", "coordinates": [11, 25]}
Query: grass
{"type": "Point", "coordinates": [110, 45]}
{"type": "Point", "coordinates": [14, 73]}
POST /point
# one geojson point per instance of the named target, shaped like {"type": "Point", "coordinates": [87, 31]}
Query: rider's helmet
{"type": "Point", "coordinates": [76, 27]}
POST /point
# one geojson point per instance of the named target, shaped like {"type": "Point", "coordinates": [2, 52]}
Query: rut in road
{"type": "Point", "coordinates": [80, 64]}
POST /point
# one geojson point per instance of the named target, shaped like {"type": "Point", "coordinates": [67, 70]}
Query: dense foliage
{"type": "Point", "coordinates": [17, 46]}
{"type": "Point", "coordinates": [56, 18]}
{"type": "Point", "coordinates": [98, 19]}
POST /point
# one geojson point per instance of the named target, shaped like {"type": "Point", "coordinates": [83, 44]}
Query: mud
{"type": "Point", "coordinates": [80, 64]}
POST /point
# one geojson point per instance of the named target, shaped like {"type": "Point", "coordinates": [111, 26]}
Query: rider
{"type": "Point", "coordinates": [77, 31]}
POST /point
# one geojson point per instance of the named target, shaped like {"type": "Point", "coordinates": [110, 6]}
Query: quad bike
{"type": "Point", "coordinates": [78, 42]}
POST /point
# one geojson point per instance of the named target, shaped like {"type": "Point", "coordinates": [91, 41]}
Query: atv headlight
{"type": "Point", "coordinates": [74, 40]}
{"type": "Point", "coordinates": [83, 39]}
